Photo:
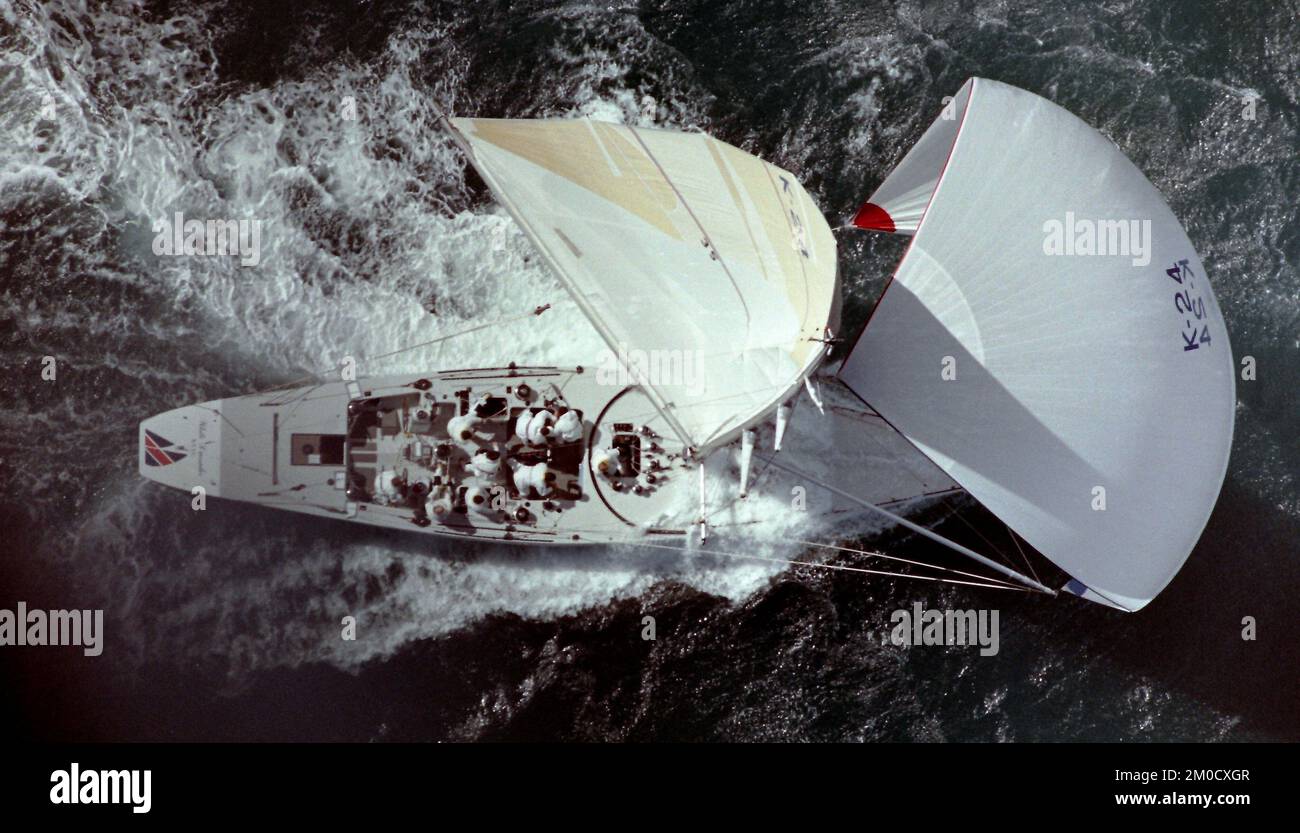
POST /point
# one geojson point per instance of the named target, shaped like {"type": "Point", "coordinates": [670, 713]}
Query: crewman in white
{"type": "Point", "coordinates": [388, 487]}
{"type": "Point", "coordinates": [439, 507]}
{"type": "Point", "coordinates": [539, 476]}
{"type": "Point", "coordinates": [480, 500]}
{"type": "Point", "coordinates": [485, 463]}
{"type": "Point", "coordinates": [568, 427]}
{"type": "Point", "coordinates": [461, 428]}
{"type": "Point", "coordinates": [533, 429]}
{"type": "Point", "coordinates": [606, 461]}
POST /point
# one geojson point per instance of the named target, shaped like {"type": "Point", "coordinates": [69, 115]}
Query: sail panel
{"type": "Point", "coordinates": [899, 203]}
{"type": "Point", "coordinates": [685, 252]}
{"type": "Point", "coordinates": [1085, 399]}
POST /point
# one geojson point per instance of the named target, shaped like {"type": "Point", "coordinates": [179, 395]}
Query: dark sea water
{"type": "Point", "coordinates": [225, 624]}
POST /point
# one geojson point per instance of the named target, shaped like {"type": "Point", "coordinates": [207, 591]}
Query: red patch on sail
{"type": "Point", "coordinates": [873, 217]}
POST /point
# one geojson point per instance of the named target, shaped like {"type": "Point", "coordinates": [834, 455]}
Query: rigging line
{"type": "Point", "coordinates": [920, 530]}
{"type": "Point", "coordinates": [880, 445]}
{"type": "Point", "coordinates": [749, 392]}
{"type": "Point", "coordinates": [298, 488]}
{"type": "Point", "coordinates": [956, 513]}
{"type": "Point", "coordinates": [294, 405]}
{"type": "Point", "coordinates": [535, 311]}
{"type": "Point", "coordinates": [788, 392]}
{"type": "Point", "coordinates": [317, 376]}
{"type": "Point", "coordinates": [758, 475]}
{"type": "Point", "coordinates": [322, 507]}
{"type": "Point", "coordinates": [1025, 558]}
{"type": "Point", "coordinates": [841, 567]}
{"type": "Point", "coordinates": [982, 581]}
{"type": "Point", "coordinates": [224, 418]}
{"type": "Point", "coordinates": [874, 554]}
{"type": "Point", "coordinates": [290, 384]}
{"type": "Point", "coordinates": [713, 250]}
{"type": "Point", "coordinates": [1011, 532]}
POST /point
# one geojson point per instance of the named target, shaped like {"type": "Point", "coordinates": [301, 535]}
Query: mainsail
{"type": "Point", "coordinates": [1086, 399]}
{"type": "Point", "coordinates": [710, 273]}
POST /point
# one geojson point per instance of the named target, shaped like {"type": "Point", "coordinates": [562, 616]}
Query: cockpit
{"type": "Point", "coordinates": [466, 458]}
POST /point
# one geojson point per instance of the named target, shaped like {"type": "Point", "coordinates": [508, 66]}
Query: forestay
{"type": "Point", "coordinates": [1051, 341]}
{"type": "Point", "coordinates": [710, 273]}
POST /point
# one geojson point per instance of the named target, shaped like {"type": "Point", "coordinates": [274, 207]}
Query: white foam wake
{"type": "Point", "coordinates": [371, 243]}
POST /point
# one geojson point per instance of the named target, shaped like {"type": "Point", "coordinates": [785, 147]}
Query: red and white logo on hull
{"type": "Point", "coordinates": [160, 452]}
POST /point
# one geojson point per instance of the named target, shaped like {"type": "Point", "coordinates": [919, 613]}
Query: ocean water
{"type": "Point", "coordinates": [225, 624]}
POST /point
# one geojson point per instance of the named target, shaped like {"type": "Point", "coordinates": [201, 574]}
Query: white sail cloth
{"type": "Point", "coordinates": [899, 203]}
{"type": "Point", "coordinates": [1085, 399]}
{"type": "Point", "coordinates": [710, 273]}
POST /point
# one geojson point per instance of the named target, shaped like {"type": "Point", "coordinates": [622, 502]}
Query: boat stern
{"type": "Point", "coordinates": [181, 448]}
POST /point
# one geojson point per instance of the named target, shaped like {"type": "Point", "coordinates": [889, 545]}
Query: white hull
{"type": "Point", "coordinates": [327, 450]}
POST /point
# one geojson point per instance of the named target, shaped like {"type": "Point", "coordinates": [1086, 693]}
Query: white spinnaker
{"type": "Point", "coordinates": [710, 273]}
{"type": "Point", "coordinates": [1078, 378]}
{"type": "Point", "coordinates": [900, 201]}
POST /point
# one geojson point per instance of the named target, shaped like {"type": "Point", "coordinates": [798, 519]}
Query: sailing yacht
{"type": "Point", "coordinates": [1086, 401]}
{"type": "Point", "coordinates": [675, 245]}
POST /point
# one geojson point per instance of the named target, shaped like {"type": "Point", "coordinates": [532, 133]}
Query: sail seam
{"type": "Point", "coordinates": [708, 240]}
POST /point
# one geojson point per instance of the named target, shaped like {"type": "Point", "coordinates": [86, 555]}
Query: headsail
{"type": "Point", "coordinates": [710, 273]}
{"type": "Point", "coordinates": [1085, 399]}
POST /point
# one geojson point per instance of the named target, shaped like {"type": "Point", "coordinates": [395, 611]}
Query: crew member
{"type": "Point", "coordinates": [539, 476]}
{"type": "Point", "coordinates": [439, 508]}
{"type": "Point", "coordinates": [485, 462]}
{"type": "Point", "coordinates": [607, 462]}
{"type": "Point", "coordinates": [533, 429]}
{"type": "Point", "coordinates": [568, 427]}
{"type": "Point", "coordinates": [480, 500]}
{"type": "Point", "coordinates": [461, 428]}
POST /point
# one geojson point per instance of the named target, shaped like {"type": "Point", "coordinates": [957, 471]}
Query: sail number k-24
{"type": "Point", "coordinates": [1190, 305]}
